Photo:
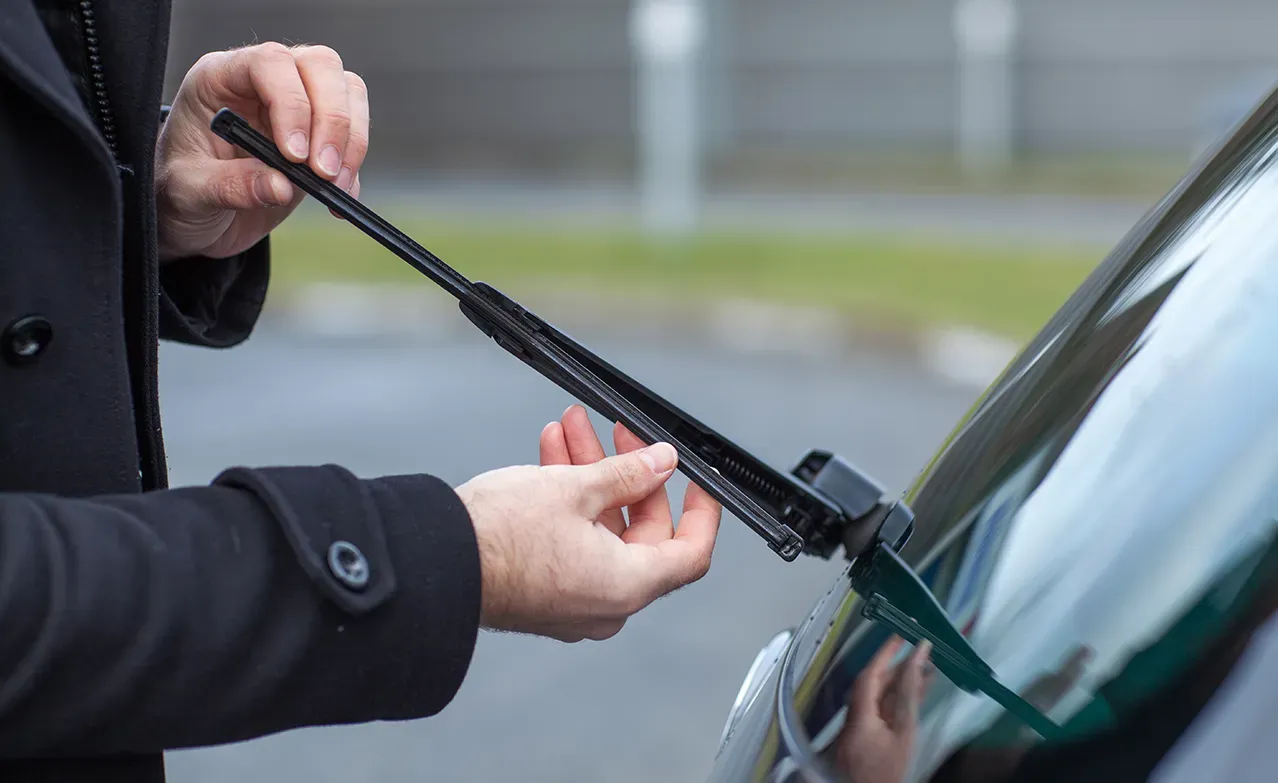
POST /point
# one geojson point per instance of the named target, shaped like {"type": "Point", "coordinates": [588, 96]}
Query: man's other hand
{"type": "Point", "coordinates": [213, 199]}
{"type": "Point", "coordinates": [876, 744]}
{"type": "Point", "coordinates": [559, 558]}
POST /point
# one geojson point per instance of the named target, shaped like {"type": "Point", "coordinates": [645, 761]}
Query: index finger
{"type": "Point", "coordinates": [552, 446]}
{"type": "Point", "coordinates": [702, 515]}
{"type": "Point", "coordinates": [650, 520]}
{"type": "Point", "coordinates": [585, 448]}
{"type": "Point", "coordinates": [267, 74]}
{"type": "Point", "coordinates": [688, 553]}
{"type": "Point", "coordinates": [324, 76]}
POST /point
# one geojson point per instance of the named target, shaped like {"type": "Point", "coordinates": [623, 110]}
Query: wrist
{"type": "Point", "coordinates": [186, 223]}
{"type": "Point", "coordinates": [168, 244]}
{"type": "Point", "coordinates": [494, 565]}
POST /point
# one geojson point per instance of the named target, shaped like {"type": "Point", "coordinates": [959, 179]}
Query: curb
{"type": "Point", "coordinates": [960, 356]}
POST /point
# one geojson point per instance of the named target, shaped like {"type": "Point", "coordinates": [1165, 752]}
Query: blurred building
{"type": "Point", "coordinates": [550, 83]}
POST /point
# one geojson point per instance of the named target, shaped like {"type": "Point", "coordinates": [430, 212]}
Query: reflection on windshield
{"type": "Point", "coordinates": [1097, 536]}
{"type": "Point", "coordinates": [1124, 729]}
{"type": "Point", "coordinates": [897, 599]}
{"type": "Point", "coordinates": [1169, 477]}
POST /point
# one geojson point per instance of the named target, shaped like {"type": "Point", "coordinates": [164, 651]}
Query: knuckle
{"type": "Point", "coordinates": [208, 61]}
{"type": "Point", "coordinates": [271, 51]}
{"type": "Point", "coordinates": [357, 143]}
{"type": "Point", "coordinates": [700, 566]}
{"type": "Point", "coordinates": [692, 569]}
{"type": "Point", "coordinates": [625, 601]}
{"type": "Point", "coordinates": [231, 190]}
{"type": "Point", "coordinates": [613, 478]}
{"type": "Point", "coordinates": [293, 102]}
{"type": "Point", "coordinates": [336, 117]}
{"type": "Point", "coordinates": [287, 102]}
{"type": "Point", "coordinates": [622, 473]}
{"type": "Point", "coordinates": [320, 53]}
{"type": "Point", "coordinates": [632, 476]}
{"type": "Point", "coordinates": [565, 494]}
{"type": "Point", "coordinates": [356, 84]}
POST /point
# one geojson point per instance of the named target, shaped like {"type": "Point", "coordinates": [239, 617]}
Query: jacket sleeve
{"type": "Point", "coordinates": [214, 302]}
{"type": "Point", "coordinates": [205, 615]}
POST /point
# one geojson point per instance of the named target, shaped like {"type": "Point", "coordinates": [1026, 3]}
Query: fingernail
{"type": "Point", "coordinates": [330, 160]}
{"type": "Point", "coordinates": [345, 179]}
{"type": "Point", "coordinates": [266, 189]}
{"type": "Point", "coordinates": [297, 144]}
{"type": "Point", "coordinates": [660, 458]}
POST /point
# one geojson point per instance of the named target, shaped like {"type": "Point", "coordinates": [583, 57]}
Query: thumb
{"type": "Point", "coordinates": [245, 184]}
{"type": "Point", "coordinates": [626, 478]}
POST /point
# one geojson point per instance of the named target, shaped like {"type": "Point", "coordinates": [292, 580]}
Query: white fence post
{"type": "Point", "coordinates": [667, 36]}
{"type": "Point", "coordinates": [986, 32]}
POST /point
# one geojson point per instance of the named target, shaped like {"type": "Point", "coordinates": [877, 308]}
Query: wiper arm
{"type": "Point", "coordinates": [823, 504]}
{"type": "Point", "coordinates": [896, 598]}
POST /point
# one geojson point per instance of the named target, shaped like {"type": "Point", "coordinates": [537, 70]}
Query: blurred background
{"type": "Point", "coordinates": [813, 224]}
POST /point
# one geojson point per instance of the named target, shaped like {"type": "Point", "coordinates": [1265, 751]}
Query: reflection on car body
{"type": "Point", "coordinates": [1103, 518]}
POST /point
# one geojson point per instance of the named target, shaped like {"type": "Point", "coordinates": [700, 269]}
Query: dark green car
{"type": "Point", "coordinates": [1100, 530]}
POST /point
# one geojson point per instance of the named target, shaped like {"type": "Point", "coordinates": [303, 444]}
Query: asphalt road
{"type": "Point", "coordinates": [647, 705]}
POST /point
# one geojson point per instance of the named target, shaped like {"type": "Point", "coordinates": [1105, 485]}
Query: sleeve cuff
{"type": "Point", "coordinates": [413, 613]}
{"type": "Point", "coordinates": [214, 302]}
{"type": "Point", "coordinates": [438, 602]}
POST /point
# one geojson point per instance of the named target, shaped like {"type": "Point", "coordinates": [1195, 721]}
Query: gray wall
{"type": "Point", "coordinates": [550, 80]}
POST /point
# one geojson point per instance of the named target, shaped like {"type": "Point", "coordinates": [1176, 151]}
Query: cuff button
{"type": "Point", "coordinates": [349, 565]}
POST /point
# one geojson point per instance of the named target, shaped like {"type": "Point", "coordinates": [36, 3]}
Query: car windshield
{"type": "Point", "coordinates": [1108, 519]}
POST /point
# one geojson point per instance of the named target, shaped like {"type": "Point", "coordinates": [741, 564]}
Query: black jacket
{"type": "Point", "coordinates": [136, 618]}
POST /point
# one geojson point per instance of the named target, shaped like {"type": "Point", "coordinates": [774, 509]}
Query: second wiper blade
{"type": "Point", "coordinates": [784, 511]}
{"type": "Point", "coordinates": [898, 599]}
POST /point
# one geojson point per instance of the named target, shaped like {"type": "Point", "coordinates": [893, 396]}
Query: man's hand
{"type": "Point", "coordinates": [558, 557]}
{"type": "Point", "coordinates": [877, 740]}
{"type": "Point", "coordinates": [215, 200]}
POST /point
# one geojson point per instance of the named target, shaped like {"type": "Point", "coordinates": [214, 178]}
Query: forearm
{"type": "Point", "coordinates": [208, 615]}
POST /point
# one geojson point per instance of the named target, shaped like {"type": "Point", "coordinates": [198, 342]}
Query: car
{"type": "Point", "coordinates": [1097, 534]}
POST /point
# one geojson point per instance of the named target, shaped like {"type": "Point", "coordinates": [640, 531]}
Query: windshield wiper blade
{"type": "Point", "coordinates": [823, 504]}
{"type": "Point", "coordinates": [898, 599]}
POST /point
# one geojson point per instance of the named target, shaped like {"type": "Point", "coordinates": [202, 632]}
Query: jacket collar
{"type": "Point", "coordinates": [29, 56]}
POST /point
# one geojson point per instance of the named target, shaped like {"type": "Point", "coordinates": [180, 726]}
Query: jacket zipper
{"type": "Point", "coordinates": [149, 468]}
{"type": "Point", "coordinates": [102, 104]}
